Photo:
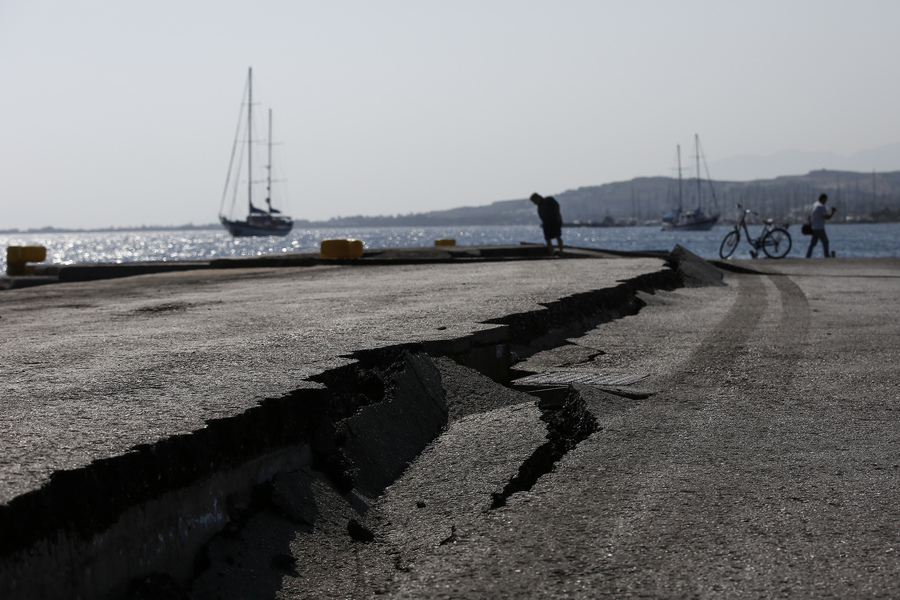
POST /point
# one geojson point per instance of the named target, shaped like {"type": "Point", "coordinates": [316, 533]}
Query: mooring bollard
{"type": "Point", "coordinates": [17, 258]}
{"type": "Point", "coordinates": [339, 248]}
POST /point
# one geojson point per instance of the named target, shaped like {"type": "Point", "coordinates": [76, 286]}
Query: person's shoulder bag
{"type": "Point", "coordinates": [806, 228]}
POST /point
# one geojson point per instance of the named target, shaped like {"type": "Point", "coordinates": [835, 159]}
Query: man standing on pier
{"type": "Point", "coordinates": [551, 219]}
{"type": "Point", "coordinates": [817, 218]}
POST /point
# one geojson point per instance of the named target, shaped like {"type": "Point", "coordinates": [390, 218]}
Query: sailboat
{"type": "Point", "coordinates": [697, 219]}
{"type": "Point", "coordinates": [259, 221]}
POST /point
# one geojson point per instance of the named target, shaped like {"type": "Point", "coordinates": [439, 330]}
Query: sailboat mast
{"type": "Point", "coordinates": [250, 140]}
{"type": "Point", "coordinates": [678, 148]}
{"type": "Point", "coordinates": [269, 167]}
{"type": "Point", "coordinates": [697, 150]}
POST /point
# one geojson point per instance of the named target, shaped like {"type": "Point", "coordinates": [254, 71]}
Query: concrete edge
{"type": "Point", "coordinates": [51, 273]}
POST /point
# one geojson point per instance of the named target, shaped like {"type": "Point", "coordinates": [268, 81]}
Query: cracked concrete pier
{"type": "Point", "coordinates": [306, 430]}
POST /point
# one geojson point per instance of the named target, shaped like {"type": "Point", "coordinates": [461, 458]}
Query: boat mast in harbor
{"type": "Point", "coordinates": [259, 221]}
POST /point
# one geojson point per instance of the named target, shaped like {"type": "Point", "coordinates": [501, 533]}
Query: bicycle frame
{"type": "Point", "coordinates": [775, 241]}
{"type": "Point", "coordinates": [742, 224]}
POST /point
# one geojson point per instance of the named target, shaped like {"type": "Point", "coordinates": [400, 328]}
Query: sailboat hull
{"type": "Point", "coordinates": [258, 226]}
{"type": "Point", "coordinates": [690, 221]}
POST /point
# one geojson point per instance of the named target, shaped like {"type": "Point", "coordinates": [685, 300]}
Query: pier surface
{"type": "Point", "coordinates": [496, 424]}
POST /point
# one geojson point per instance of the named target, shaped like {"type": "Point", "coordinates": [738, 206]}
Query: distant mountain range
{"type": "Point", "coordinates": [860, 196]}
{"type": "Point", "coordinates": [865, 186]}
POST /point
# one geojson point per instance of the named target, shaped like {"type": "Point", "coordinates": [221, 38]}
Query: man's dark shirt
{"type": "Point", "coordinates": [548, 211]}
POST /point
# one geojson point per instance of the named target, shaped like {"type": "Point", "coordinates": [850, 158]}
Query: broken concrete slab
{"type": "Point", "coordinates": [695, 271]}
{"type": "Point", "coordinates": [197, 372]}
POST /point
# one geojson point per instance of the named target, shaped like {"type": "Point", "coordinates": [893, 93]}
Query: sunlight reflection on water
{"type": "Point", "coordinates": [138, 246]}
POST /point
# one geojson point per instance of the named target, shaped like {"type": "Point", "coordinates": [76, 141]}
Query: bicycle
{"type": "Point", "coordinates": [773, 240]}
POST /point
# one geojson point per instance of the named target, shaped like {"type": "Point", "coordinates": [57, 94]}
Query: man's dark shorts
{"type": "Point", "coordinates": [552, 231]}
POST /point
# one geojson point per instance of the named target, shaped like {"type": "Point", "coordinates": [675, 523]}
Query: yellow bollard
{"type": "Point", "coordinates": [445, 242]}
{"type": "Point", "coordinates": [18, 256]}
{"type": "Point", "coordinates": [341, 248]}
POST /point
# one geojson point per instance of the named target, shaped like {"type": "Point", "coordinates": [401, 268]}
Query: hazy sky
{"type": "Point", "coordinates": [123, 113]}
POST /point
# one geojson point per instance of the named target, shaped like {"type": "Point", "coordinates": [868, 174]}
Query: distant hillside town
{"type": "Point", "coordinates": [860, 197]}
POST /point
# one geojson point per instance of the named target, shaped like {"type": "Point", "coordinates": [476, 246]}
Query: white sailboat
{"type": "Point", "coordinates": [697, 219]}
{"type": "Point", "coordinates": [259, 221]}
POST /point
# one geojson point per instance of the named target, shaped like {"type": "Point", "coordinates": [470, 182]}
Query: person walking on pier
{"type": "Point", "coordinates": [551, 219]}
{"type": "Point", "coordinates": [817, 218]}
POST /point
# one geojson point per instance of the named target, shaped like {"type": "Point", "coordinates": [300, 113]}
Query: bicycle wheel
{"type": "Point", "coordinates": [777, 243]}
{"type": "Point", "coordinates": [729, 244]}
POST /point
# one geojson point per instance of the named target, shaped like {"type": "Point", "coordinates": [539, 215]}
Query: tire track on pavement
{"type": "Point", "coordinates": [746, 338]}
{"type": "Point", "coordinates": [719, 352]}
{"type": "Point", "coordinates": [698, 508]}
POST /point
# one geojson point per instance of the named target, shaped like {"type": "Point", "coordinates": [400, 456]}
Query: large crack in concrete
{"type": "Point", "coordinates": [566, 423]}
{"type": "Point", "coordinates": [358, 431]}
{"type": "Point", "coordinates": [566, 427]}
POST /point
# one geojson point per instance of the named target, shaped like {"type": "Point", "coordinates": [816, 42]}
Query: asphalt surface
{"type": "Point", "coordinates": [755, 455]}
{"type": "Point", "coordinates": [93, 369]}
{"type": "Point", "coordinates": [757, 459]}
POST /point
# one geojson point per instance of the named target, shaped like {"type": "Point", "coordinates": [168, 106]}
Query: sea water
{"type": "Point", "coordinates": [847, 240]}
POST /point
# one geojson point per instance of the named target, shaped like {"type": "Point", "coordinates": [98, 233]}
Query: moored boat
{"type": "Point", "coordinates": [259, 221]}
{"type": "Point", "coordinates": [697, 219]}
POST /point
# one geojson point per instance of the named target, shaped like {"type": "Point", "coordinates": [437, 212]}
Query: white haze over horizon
{"type": "Point", "coordinates": [122, 114]}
